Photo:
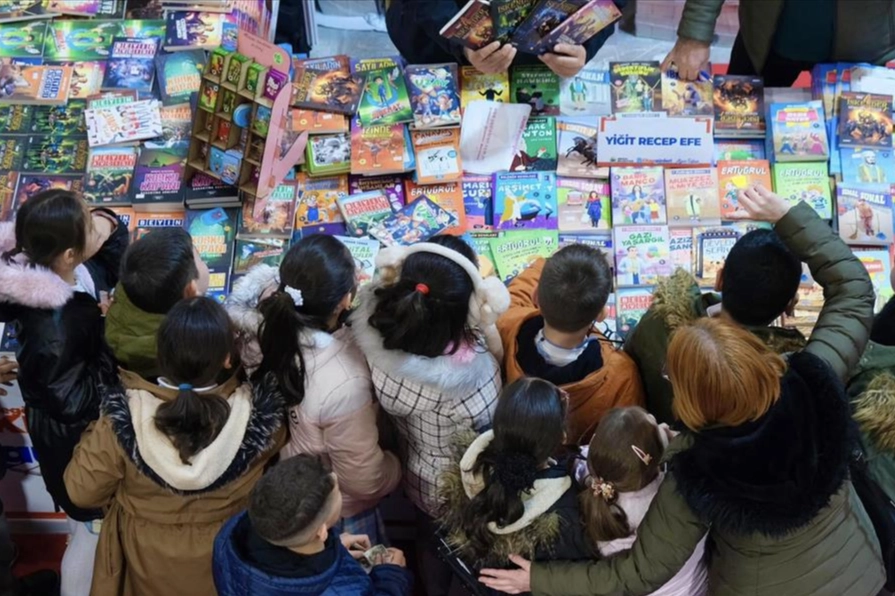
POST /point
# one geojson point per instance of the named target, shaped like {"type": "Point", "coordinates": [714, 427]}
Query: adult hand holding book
{"type": "Point", "coordinates": [566, 60]}
{"type": "Point", "coordinates": [491, 59]}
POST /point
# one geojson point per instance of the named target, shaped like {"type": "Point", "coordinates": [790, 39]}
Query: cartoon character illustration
{"type": "Point", "coordinates": [594, 209]}
{"type": "Point", "coordinates": [869, 172]}
{"type": "Point", "coordinates": [585, 148]}
{"type": "Point", "coordinates": [382, 91]}
{"type": "Point", "coordinates": [632, 265]}
{"type": "Point", "coordinates": [578, 91]}
{"type": "Point", "coordinates": [23, 38]}
{"type": "Point", "coordinates": [490, 92]}
{"type": "Point", "coordinates": [693, 205]}
{"type": "Point", "coordinates": [865, 213]}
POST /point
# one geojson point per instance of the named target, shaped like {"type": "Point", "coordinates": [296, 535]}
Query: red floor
{"type": "Point", "coordinates": [38, 551]}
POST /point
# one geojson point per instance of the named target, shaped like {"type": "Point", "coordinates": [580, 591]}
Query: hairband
{"type": "Point", "coordinates": [295, 295]}
{"type": "Point", "coordinates": [642, 455]}
{"type": "Point", "coordinates": [603, 489]}
{"type": "Point", "coordinates": [185, 387]}
{"type": "Point", "coordinates": [422, 289]}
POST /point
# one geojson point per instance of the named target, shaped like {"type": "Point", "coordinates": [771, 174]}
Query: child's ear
{"type": "Point", "coordinates": [791, 307]}
{"type": "Point", "coordinates": [192, 289]}
{"type": "Point", "coordinates": [719, 285]}
{"type": "Point", "coordinates": [228, 362]}
{"type": "Point", "coordinates": [602, 316]}
{"type": "Point", "coordinates": [322, 532]}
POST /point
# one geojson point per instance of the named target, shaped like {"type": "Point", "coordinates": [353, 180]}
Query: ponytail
{"type": "Point", "coordinates": [279, 338]}
{"type": "Point", "coordinates": [604, 519]}
{"type": "Point", "coordinates": [192, 421]}
{"type": "Point", "coordinates": [9, 255]}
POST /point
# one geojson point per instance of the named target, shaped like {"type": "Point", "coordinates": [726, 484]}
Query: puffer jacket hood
{"type": "Point", "coordinates": [25, 284]}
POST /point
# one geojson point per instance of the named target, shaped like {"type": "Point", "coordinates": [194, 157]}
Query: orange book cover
{"type": "Point", "coordinates": [318, 122]}
{"type": "Point", "coordinates": [35, 85]}
{"type": "Point", "coordinates": [734, 176]}
{"type": "Point", "coordinates": [377, 149]}
{"type": "Point", "coordinates": [447, 195]}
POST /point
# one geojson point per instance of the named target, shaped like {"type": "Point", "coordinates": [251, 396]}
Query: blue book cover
{"type": "Point", "coordinates": [797, 132]}
{"type": "Point", "coordinates": [867, 166]}
{"type": "Point", "coordinates": [131, 64]}
{"type": "Point", "coordinates": [478, 202]}
{"type": "Point", "coordinates": [179, 75]}
{"type": "Point", "coordinates": [525, 200]}
{"type": "Point", "coordinates": [544, 17]}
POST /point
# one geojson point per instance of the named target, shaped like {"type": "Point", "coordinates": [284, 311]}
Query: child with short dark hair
{"type": "Point", "coordinates": [174, 460]}
{"type": "Point", "coordinates": [285, 544]}
{"type": "Point", "coordinates": [549, 333]}
{"type": "Point", "coordinates": [55, 260]}
{"type": "Point", "coordinates": [157, 271]}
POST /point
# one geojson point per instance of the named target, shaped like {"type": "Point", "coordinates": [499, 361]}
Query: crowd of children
{"type": "Point", "coordinates": [197, 447]}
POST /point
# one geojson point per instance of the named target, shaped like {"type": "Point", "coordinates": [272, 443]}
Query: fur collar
{"type": "Point", "coordinates": [261, 426]}
{"type": "Point", "coordinates": [874, 410]}
{"type": "Point", "coordinates": [773, 475]}
{"type": "Point", "coordinates": [30, 285]}
{"type": "Point", "coordinates": [445, 373]}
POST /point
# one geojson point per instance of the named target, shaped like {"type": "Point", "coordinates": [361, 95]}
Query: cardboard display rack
{"type": "Point", "coordinates": [241, 133]}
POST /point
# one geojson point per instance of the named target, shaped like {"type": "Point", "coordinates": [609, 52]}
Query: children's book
{"type": "Point", "coordinates": [583, 24]}
{"type": "Point", "coordinates": [680, 243]}
{"type": "Point", "coordinates": [179, 75]}
{"type": "Point", "coordinates": [807, 183]}
{"type": "Point", "coordinates": [475, 86]}
{"type": "Point", "coordinates": [584, 205]}
{"type": "Point", "coordinates": [110, 171]}
{"type": "Point", "coordinates": [601, 241]}
{"type": "Point", "coordinates": [516, 251]}
{"type": "Point", "coordinates": [823, 87]}
{"type": "Point", "coordinates": [448, 196]}
{"type": "Point", "coordinates": [734, 176]}
{"type": "Point", "coordinates": [478, 202]}
{"type": "Point", "coordinates": [7, 195]}
{"type": "Point", "coordinates": [363, 210]}
{"type": "Point", "coordinates": [203, 190]}
{"type": "Point", "coordinates": [317, 200]}
{"type": "Point", "coordinates": [864, 215]}
{"type": "Point", "coordinates": [146, 223]}
{"type": "Point", "coordinates": [711, 245]}
{"type": "Point", "coordinates": [158, 178]}
{"type": "Point", "coordinates": [86, 77]}
{"type": "Point", "coordinates": [642, 255]}
{"type": "Point", "coordinates": [417, 221]}
{"type": "Point", "coordinates": [67, 120]}
{"type": "Point", "coordinates": [328, 154]}
{"type": "Point", "coordinates": [80, 39]}
{"type": "Point", "coordinates": [586, 94]}
{"type": "Point", "coordinates": [124, 123]}
{"type": "Point", "coordinates": [131, 64]}
{"type": "Point", "coordinates": [472, 27]}
{"type": "Point", "coordinates": [798, 132]}
{"type": "Point", "coordinates": [195, 30]}
{"type": "Point", "coordinates": [480, 241]}
{"type": "Point", "coordinates": [577, 150]}
{"type": "Point", "coordinates": [865, 120]}
{"type": "Point", "coordinates": [636, 86]}
{"type": "Point", "coordinates": [316, 122]}
{"type": "Point", "coordinates": [385, 99]}
{"type": "Point", "coordinates": [525, 201]}
{"type": "Point", "coordinates": [739, 106]}
{"type": "Point", "coordinates": [692, 197]}
{"type": "Point", "coordinates": [55, 154]}
{"type": "Point", "coordinates": [22, 40]}
{"type": "Point", "coordinates": [176, 125]}
{"type": "Point", "coordinates": [392, 186]}
{"type": "Point", "coordinates": [28, 185]}
{"type": "Point", "coordinates": [214, 232]}
{"type": "Point", "coordinates": [127, 216]}
{"type": "Point", "coordinates": [109, 99]}
{"type": "Point", "coordinates": [327, 84]}
{"type": "Point", "coordinates": [879, 267]}
{"type": "Point", "coordinates": [23, 10]}
{"type": "Point", "coordinates": [739, 149]}
{"type": "Point", "coordinates": [631, 304]}
{"type": "Point", "coordinates": [376, 149]}
{"type": "Point", "coordinates": [83, 8]}
{"type": "Point", "coordinates": [335, 229]}
{"type": "Point", "coordinates": [507, 15]}
{"type": "Point", "coordinates": [257, 251]}
{"type": "Point", "coordinates": [437, 155]}
{"type": "Point", "coordinates": [638, 196]}
{"type": "Point", "coordinates": [687, 98]}
{"type": "Point", "coordinates": [537, 86]}
{"type": "Point", "coordinates": [12, 150]}
{"type": "Point", "coordinates": [869, 166]}
{"type": "Point", "coordinates": [542, 19]}
{"type": "Point", "coordinates": [270, 216]}
{"type": "Point", "coordinates": [363, 251]}
{"type": "Point", "coordinates": [434, 94]}
{"type": "Point", "coordinates": [35, 85]}
{"type": "Point", "coordinates": [16, 118]}
{"type": "Point", "coordinates": [148, 27]}
{"type": "Point", "coordinates": [537, 153]}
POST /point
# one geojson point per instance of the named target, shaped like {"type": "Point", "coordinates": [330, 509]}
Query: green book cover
{"type": "Point", "coordinates": [143, 28]}
{"type": "Point", "coordinates": [55, 154]}
{"type": "Point", "coordinates": [80, 40]}
{"type": "Point", "coordinates": [808, 182]}
{"type": "Point", "coordinates": [16, 118]}
{"type": "Point", "coordinates": [538, 153]}
{"type": "Point", "coordinates": [385, 99]}
{"type": "Point", "coordinates": [507, 15]}
{"type": "Point", "coordinates": [66, 120]}
{"type": "Point", "coordinates": [328, 154]}
{"type": "Point", "coordinates": [516, 251]}
{"type": "Point", "coordinates": [22, 40]}
{"type": "Point", "coordinates": [537, 86]}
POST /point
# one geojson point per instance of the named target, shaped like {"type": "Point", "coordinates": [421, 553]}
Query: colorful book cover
{"type": "Point", "coordinates": [327, 84]}
{"type": "Point", "coordinates": [109, 99]}
{"type": "Point", "coordinates": [798, 132]}
{"type": "Point", "coordinates": [203, 187]}
{"type": "Point", "coordinates": [23, 10]}
{"type": "Point", "coordinates": [22, 40]}
{"type": "Point", "coordinates": [317, 200]}
{"type": "Point", "coordinates": [687, 98]}
{"type": "Point", "coordinates": [734, 176]}
{"type": "Point", "coordinates": [865, 215]}
{"type": "Point", "coordinates": [823, 87]}
{"type": "Point", "coordinates": [437, 155]}
{"type": "Point", "coordinates": [363, 251]}
{"type": "Point", "coordinates": [16, 118]}
{"type": "Point", "coordinates": [448, 196]}
{"type": "Point", "coordinates": [363, 210]}
{"type": "Point", "coordinates": [335, 229]}
{"type": "Point", "coordinates": [582, 25]}
{"type": "Point", "coordinates": [84, 8]}
{"type": "Point", "coordinates": [28, 185]}
{"type": "Point", "coordinates": [7, 195]}
{"type": "Point", "coordinates": [739, 106]}
{"type": "Point", "coordinates": [179, 75]}
{"type": "Point", "coordinates": [476, 86]}
{"type": "Point", "coordinates": [507, 15]}
{"type": "Point", "coordinates": [12, 150]}
{"type": "Point", "coordinates": [601, 241]}
{"type": "Point", "coordinates": [868, 166]}
{"type": "Point", "coordinates": [480, 241]}
{"type": "Point", "coordinates": [577, 150]}
{"type": "Point", "coordinates": [329, 154]}
{"type": "Point", "coordinates": [391, 185]}
{"type": "Point", "coordinates": [587, 93]}
{"type": "Point", "coordinates": [542, 19]}
{"type": "Point", "coordinates": [584, 205]}
{"type": "Point", "coordinates": [35, 85]}
{"type": "Point", "coordinates": [638, 196]}
{"type": "Point", "coordinates": [55, 154]}
{"type": "Point", "coordinates": [692, 197]}
{"type": "Point", "coordinates": [805, 182]}
{"type": "Point", "coordinates": [739, 149]}
{"type": "Point", "coordinates": [641, 255]}
{"type": "Point", "coordinates": [154, 27]}
{"type": "Point", "coordinates": [477, 201]}
{"type": "Point", "coordinates": [472, 26]}
{"type": "Point", "coordinates": [537, 86]}
{"type": "Point", "coordinates": [65, 119]}
{"type": "Point", "coordinates": [635, 86]}
{"type": "Point", "coordinates": [865, 120]}
{"type": "Point", "coordinates": [434, 94]}
{"type": "Point", "coordinates": [110, 171]}
{"type": "Point", "coordinates": [525, 200]}
{"type": "Point", "coordinates": [214, 233]}
{"type": "Point", "coordinates": [711, 245]}
{"type": "Point", "coordinates": [124, 123]}
{"type": "Point", "coordinates": [252, 252]}
{"type": "Point", "coordinates": [376, 149]}
{"type": "Point", "coordinates": [176, 126]}
{"type": "Point", "coordinates": [417, 221]}
{"type": "Point", "coordinates": [385, 99]}
{"type": "Point", "coordinates": [630, 305]}
{"type": "Point", "coordinates": [127, 216]}
{"type": "Point", "coordinates": [680, 244]}
{"type": "Point", "coordinates": [879, 267]}
{"type": "Point", "coordinates": [537, 153]}
{"type": "Point", "coordinates": [516, 251]}
{"type": "Point", "coordinates": [195, 30]}
{"type": "Point", "coordinates": [270, 216]}
{"type": "Point", "coordinates": [131, 64]}
{"type": "Point", "coordinates": [147, 222]}
{"type": "Point", "coordinates": [80, 40]}
{"type": "Point", "coordinates": [158, 176]}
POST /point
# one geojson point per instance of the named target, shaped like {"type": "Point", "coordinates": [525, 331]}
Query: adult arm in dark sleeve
{"type": "Point", "coordinates": [431, 16]}
{"type": "Point", "coordinates": [593, 45]}
{"type": "Point", "coordinates": [105, 265]}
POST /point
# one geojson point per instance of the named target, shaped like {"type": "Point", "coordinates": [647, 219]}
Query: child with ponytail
{"type": "Point", "coordinates": [290, 323]}
{"type": "Point", "coordinates": [621, 477]}
{"type": "Point", "coordinates": [174, 460]}
{"type": "Point", "coordinates": [56, 261]}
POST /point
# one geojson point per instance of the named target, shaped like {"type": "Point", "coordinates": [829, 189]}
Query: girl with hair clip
{"type": "Point", "coordinates": [173, 461]}
{"type": "Point", "coordinates": [426, 326]}
{"type": "Point", "coordinates": [508, 495]}
{"type": "Point", "coordinates": [622, 475]}
{"type": "Point", "coordinates": [290, 323]}
{"type": "Point", "coordinates": [58, 259]}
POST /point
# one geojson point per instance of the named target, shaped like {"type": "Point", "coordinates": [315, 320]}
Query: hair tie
{"type": "Point", "coordinates": [422, 289]}
{"type": "Point", "coordinates": [185, 387]}
{"type": "Point", "coordinates": [295, 295]}
{"type": "Point", "coordinates": [603, 489]}
{"type": "Point", "coordinates": [642, 455]}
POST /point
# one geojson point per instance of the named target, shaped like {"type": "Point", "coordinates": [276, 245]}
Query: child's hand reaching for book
{"type": "Point", "coordinates": [760, 204]}
{"type": "Point", "coordinates": [566, 60]}
{"type": "Point", "coordinates": [491, 59]}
